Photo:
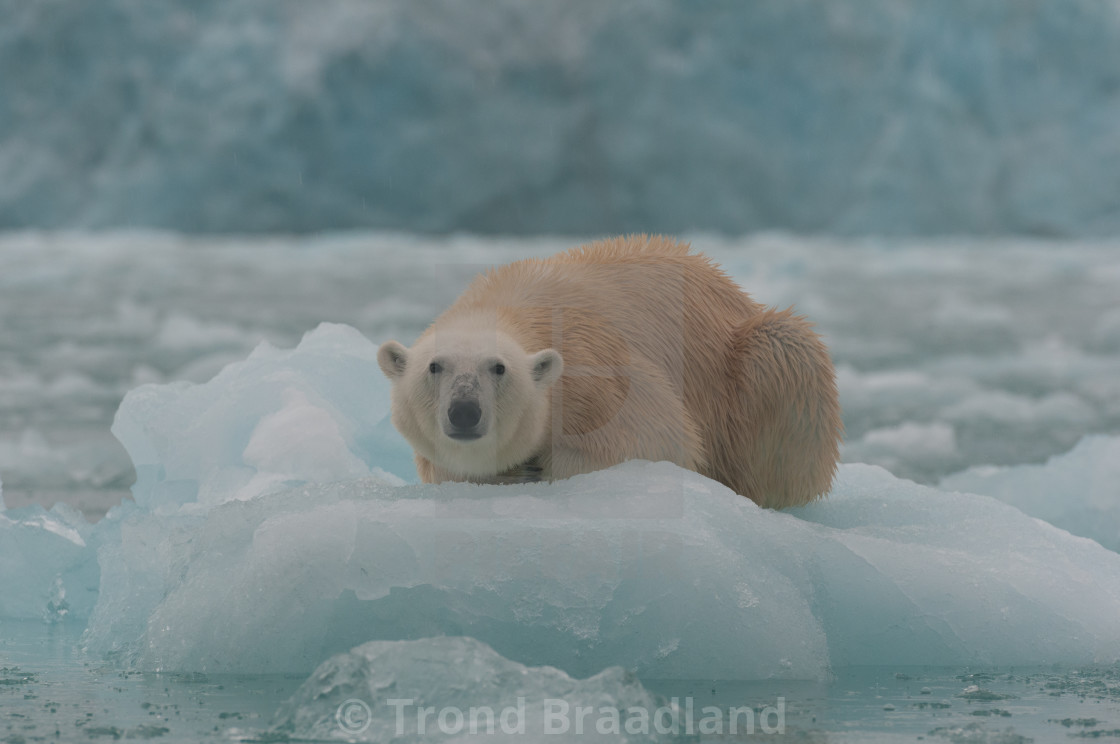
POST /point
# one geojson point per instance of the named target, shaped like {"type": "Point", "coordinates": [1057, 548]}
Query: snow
{"type": "Point", "coordinates": [562, 116]}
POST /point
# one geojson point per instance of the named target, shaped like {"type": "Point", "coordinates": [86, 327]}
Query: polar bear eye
{"type": "Point", "coordinates": [498, 369]}
{"type": "Point", "coordinates": [435, 368]}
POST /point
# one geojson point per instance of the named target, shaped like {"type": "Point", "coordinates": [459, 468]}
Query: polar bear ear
{"type": "Point", "coordinates": [393, 358]}
{"type": "Point", "coordinates": [547, 366]}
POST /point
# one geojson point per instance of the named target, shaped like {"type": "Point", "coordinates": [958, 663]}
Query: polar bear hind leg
{"type": "Point", "coordinates": [782, 424]}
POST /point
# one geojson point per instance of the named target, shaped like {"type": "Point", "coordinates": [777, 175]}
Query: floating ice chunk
{"type": "Point", "coordinates": [374, 692]}
{"type": "Point", "coordinates": [30, 459]}
{"type": "Point", "coordinates": [32, 464]}
{"type": "Point", "coordinates": [1051, 410]}
{"type": "Point", "coordinates": [976, 733]}
{"type": "Point", "coordinates": [930, 445]}
{"type": "Point", "coordinates": [184, 333]}
{"type": "Point", "coordinates": [1106, 331]}
{"type": "Point", "coordinates": [48, 568]}
{"type": "Point", "coordinates": [317, 412]}
{"type": "Point", "coordinates": [203, 368]}
{"type": "Point", "coordinates": [300, 442]}
{"type": "Point", "coordinates": [637, 566]}
{"type": "Point", "coordinates": [140, 554]}
{"type": "Point", "coordinates": [1078, 491]}
{"type": "Point", "coordinates": [910, 574]}
{"type": "Point", "coordinates": [645, 566]}
{"type": "Point", "coordinates": [936, 438]}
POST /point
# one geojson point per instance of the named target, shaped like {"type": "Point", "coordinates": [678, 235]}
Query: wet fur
{"type": "Point", "coordinates": [664, 358]}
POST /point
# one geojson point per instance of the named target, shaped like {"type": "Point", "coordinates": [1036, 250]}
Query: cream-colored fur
{"type": "Point", "coordinates": [662, 357]}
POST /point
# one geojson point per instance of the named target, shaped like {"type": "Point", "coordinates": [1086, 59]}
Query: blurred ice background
{"type": "Point", "coordinates": [951, 353]}
{"type": "Point", "coordinates": [562, 116]}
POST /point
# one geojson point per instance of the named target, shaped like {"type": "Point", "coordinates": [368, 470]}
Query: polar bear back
{"type": "Point", "coordinates": [665, 358]}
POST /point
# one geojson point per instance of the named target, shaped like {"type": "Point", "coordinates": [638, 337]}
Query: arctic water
{"type": "Point", "coordinates": [276, 559]}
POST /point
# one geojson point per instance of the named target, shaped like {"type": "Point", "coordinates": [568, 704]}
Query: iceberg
{"type": "Point", "coordinates": [1078, 491]}
{"type": "Point", "coordinates": [600, 570]}
{"type": "Point", "coordinates": [441, 689]}
{"type": "Point", "coordinates": [48, 564]}
{"type": "Point", "coordinates": [644, 566]}
{"type": "Point", "coordinates": [277, 419]}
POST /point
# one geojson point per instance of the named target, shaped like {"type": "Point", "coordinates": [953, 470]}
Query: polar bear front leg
{"type": "Point", "coordinates": [427, 471]}
{"type": "Point", "coordinates": [530, 471]}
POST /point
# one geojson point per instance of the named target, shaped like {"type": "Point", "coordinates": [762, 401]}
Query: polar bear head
{"type": "Point", "coordinates": [469, 398]}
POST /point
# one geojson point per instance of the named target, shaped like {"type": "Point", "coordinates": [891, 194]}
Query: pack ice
{"type": "Point", "coordinates": [273, 528]}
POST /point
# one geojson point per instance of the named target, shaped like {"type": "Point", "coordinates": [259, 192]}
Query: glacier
{"type": "Point", "coordinates": [562, 116]}
{"type": "Point", "coordinates": [272, 527]}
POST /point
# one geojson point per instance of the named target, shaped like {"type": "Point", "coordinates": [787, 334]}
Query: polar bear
{"type": "Point", "coordinates": [627, 348]}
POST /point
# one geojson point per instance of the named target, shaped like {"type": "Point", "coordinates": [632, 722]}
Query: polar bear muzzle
{"type": "Point", "coordinates": [464, 415]}
{"type": "Point", "coordinates": [464, 408]}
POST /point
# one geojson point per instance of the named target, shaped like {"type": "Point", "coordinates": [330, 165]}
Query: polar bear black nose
{"type": "Point", "coordinates": [464, 414]}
